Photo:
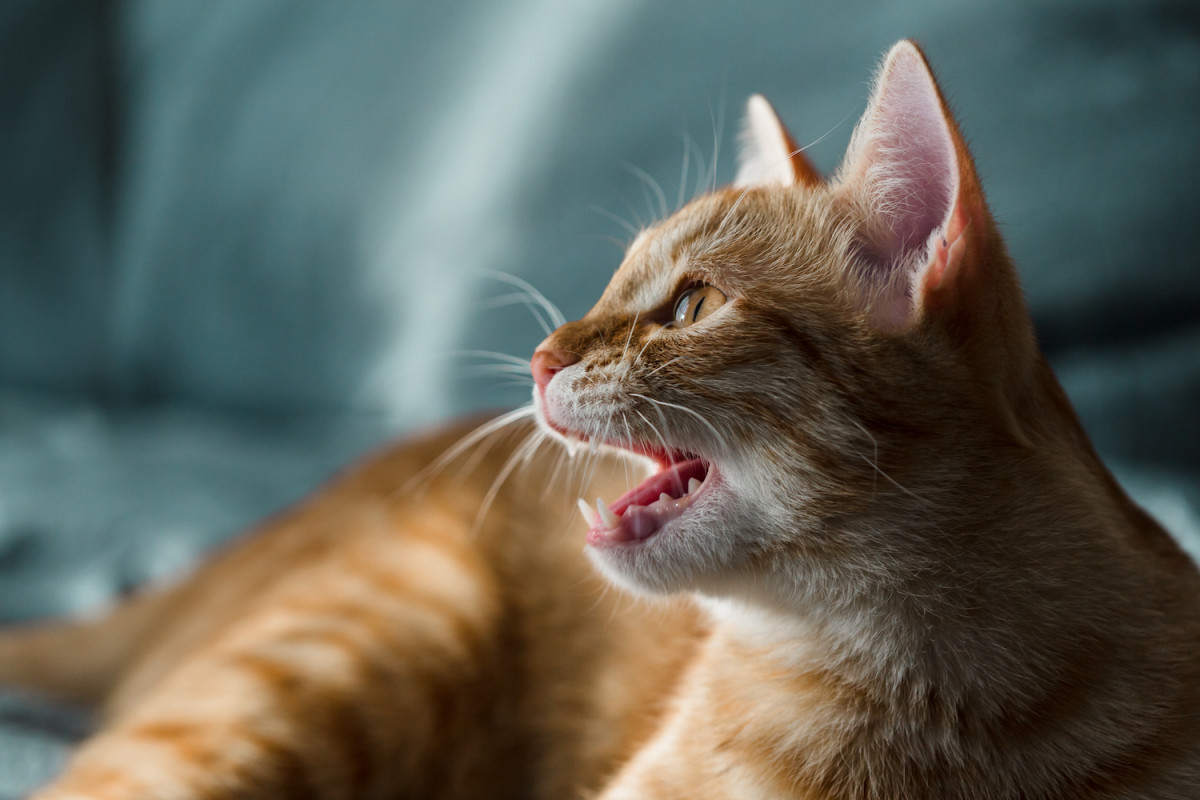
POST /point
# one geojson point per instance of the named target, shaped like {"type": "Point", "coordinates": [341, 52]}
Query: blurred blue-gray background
{"type": "Point", "coordinates": [241, 241]}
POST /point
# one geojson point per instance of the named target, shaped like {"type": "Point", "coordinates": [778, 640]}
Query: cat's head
{"type": "Point", "coordinates": [792, 353]}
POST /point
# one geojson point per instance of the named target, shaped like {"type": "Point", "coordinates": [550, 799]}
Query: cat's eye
{"type": "Point", "coordinates": [696, 303]}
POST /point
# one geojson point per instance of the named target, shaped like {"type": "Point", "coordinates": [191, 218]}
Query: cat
{"type": "Point", "coordinates": [873, 555]}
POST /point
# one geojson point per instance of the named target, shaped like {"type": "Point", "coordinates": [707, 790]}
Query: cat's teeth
{"type": "Point", "coordinates": [665, 498]}
{"type": "Point", "coordinates": [589, 514]}
{"type": "Point", "coordinates": [609, 519]}
{"type": "Point", "coordinates": [693, 485]}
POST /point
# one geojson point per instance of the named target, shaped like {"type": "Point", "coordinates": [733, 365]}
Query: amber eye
{"type": "Point", "coordinates": [696, 303]}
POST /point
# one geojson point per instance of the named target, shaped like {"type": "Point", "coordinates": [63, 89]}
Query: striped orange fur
{"type": "Point", "coordinates": [870, 552]}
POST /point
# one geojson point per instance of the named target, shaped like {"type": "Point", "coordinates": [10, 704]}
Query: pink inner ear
{"type": "Point", "coordinates": [914, 175]}
{"type": "Point", "coordinates": [903, 158]}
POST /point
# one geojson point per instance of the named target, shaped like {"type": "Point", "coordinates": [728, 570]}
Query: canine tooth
{"type": "Point", "coordinates": [609, 519]}
{"type": "Point", "coordinates": [693, 485]}
{"type": "Point", "coordinates": [665, 498]}
{"type": "Point", "coordinates": [589, 514]}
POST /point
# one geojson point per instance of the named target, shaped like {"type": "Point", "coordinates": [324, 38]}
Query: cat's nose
{"type": "Point", "coordinates": [547, 362]}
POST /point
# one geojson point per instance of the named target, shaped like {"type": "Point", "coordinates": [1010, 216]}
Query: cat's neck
{"type": "Point", "coordinates": [1057, 565]}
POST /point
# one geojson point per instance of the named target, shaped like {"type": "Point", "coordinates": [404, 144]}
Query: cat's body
{"type": "Point", "coordinates": [373, 631]}
{"type": "Point", "coordinates": [897, 567]}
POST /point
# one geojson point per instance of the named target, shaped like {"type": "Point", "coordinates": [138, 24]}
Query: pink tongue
{"type": "Point", "coordinates": [673, 480]}
{"type": "Point", "coordinates": [638, 519]}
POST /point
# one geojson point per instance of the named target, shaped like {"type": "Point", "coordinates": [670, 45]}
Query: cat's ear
{"type": "Point", "coordinates": [909, 172]}
{"type": "Point", "coordinates": [769, 156]}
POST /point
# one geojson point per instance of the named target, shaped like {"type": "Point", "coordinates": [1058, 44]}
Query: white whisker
{"type": "Point", "coordinates": [874, 461]}
{"type": "Point", "coordinates": [666, 448]}
{"type": "Point", "coordinates": [649, 339]}
{"type": "Point", "coordinates": [522, 362]}
{"type": "Point", "coordinates": [663, 365]}
{"type": "Point", "coordinates": [518, 457]}
{"type": "Point", "coordinates": [465, 443]}
{"type": "Point", "coordinates": [629, 336]}
{"type": "Point", "coordinates": [687, 153]}
{"type": "Point", "coordinates": [552, 311]}
{"type": "Point", "coordinates": [624, 223]}
{"type": "Point", "coordinates": [494, 369]}
{"type": "Point", "coordinates": [712, 428]}
{"type": "Point", "coordinates": [513, 299]}
{"type": "Point", "coordinates": [654, 186]}
{"type": "Point", "coordinates": [701, 175]}
{"type": "Point", "coordinates": [718, 131]}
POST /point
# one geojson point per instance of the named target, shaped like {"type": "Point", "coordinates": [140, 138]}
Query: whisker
{"type": "Point", "coordinates": [481, 451]}
{"type": "Point", "coordinates": [728, 214]}
{"type": "Point", "coordinates": [593, 454]}
{"type": "Point", "coordinates": [493, 369]}
{"type": "Point", "coordinates": [626, 438]}
{"type": "Point", "coordinates": [687, 152]}
{"type": "Point", "coordinates": [552, 311]}
{"type": "Point", "coordinates": [513, 299]}
{"type": "Point", "coordinates": [594, 450]}
{"type": "Point", "coordinates": [661, 439]}
{"type": "Point", "coordinates": [624, 223]}
{"type": "Point", "coordinates": [649, 340]}
{"type": "Point", "coordinates": [521, 362]}
{"type": "Point", "coordinates": [718, 130]}
{"type": "Point", "coordinates": [818, 140]}
{"type": "Point", "coordinates": [560, 457]}
{"type": "Point", "coordinates": [737, 202]}
{"type": "Point", "coordinates": [653, 185]}
{"type": "Point", "coordinates": [712, 428]}
{"type": "Point", "coordinates": [874, 461]}
{"type": "Point", "coordinates": [514, 380]}
{"type": "Point", "coordinates": [468, 441]}
{"type": "Point", "coordinates": [663, 365]}
{"type": "Point", "coordinates": [637, 218]}
{"type": "Point", "coordinates": [789, 156]}
{"type": "Point", "coordinates": [701, 175]}
{"type": "Point", "coordinates": [623, 244]}
{"type": "Point", "coordinates": [519, 456]}
{"type": "Point", "coordinates": [629, 336]}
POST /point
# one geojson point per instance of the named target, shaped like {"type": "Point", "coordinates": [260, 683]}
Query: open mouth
{"type": "Point", "coordinates": [647, 508]}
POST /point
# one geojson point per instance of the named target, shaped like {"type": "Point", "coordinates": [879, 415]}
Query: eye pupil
{"type": "Point", "coordinates": [696, 310]}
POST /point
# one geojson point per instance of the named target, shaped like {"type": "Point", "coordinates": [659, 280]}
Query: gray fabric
{"type": "Point", "coordinates": [53, 142]}
{"type": "Point", "coordinates": [242, 241]}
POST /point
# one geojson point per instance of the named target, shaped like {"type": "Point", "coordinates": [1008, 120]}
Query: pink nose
{"type": "Point", "coordinates": [546, 363]}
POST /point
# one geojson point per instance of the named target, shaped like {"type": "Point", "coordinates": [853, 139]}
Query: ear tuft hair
{"type": "Point", "coordinates": [768, 155]}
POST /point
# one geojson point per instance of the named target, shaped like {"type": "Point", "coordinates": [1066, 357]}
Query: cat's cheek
{"type": "Point", "coordinates": [546, 419]}
{"type": "Point", "coordinates": [550, 408]}
{"type": "Point", "coordinates": [566, 410]}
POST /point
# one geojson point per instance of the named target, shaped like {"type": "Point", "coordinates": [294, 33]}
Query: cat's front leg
{"type": "Point", "coordinates": [739, 727]}
{"type": "Point", "coordinates": [692, 759]}
{"type": "Point", "coordinates": [690, 775]}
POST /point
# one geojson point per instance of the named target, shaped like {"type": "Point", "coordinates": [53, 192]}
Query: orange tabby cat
{"type": "Point", "coordinates": [896, 568]}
